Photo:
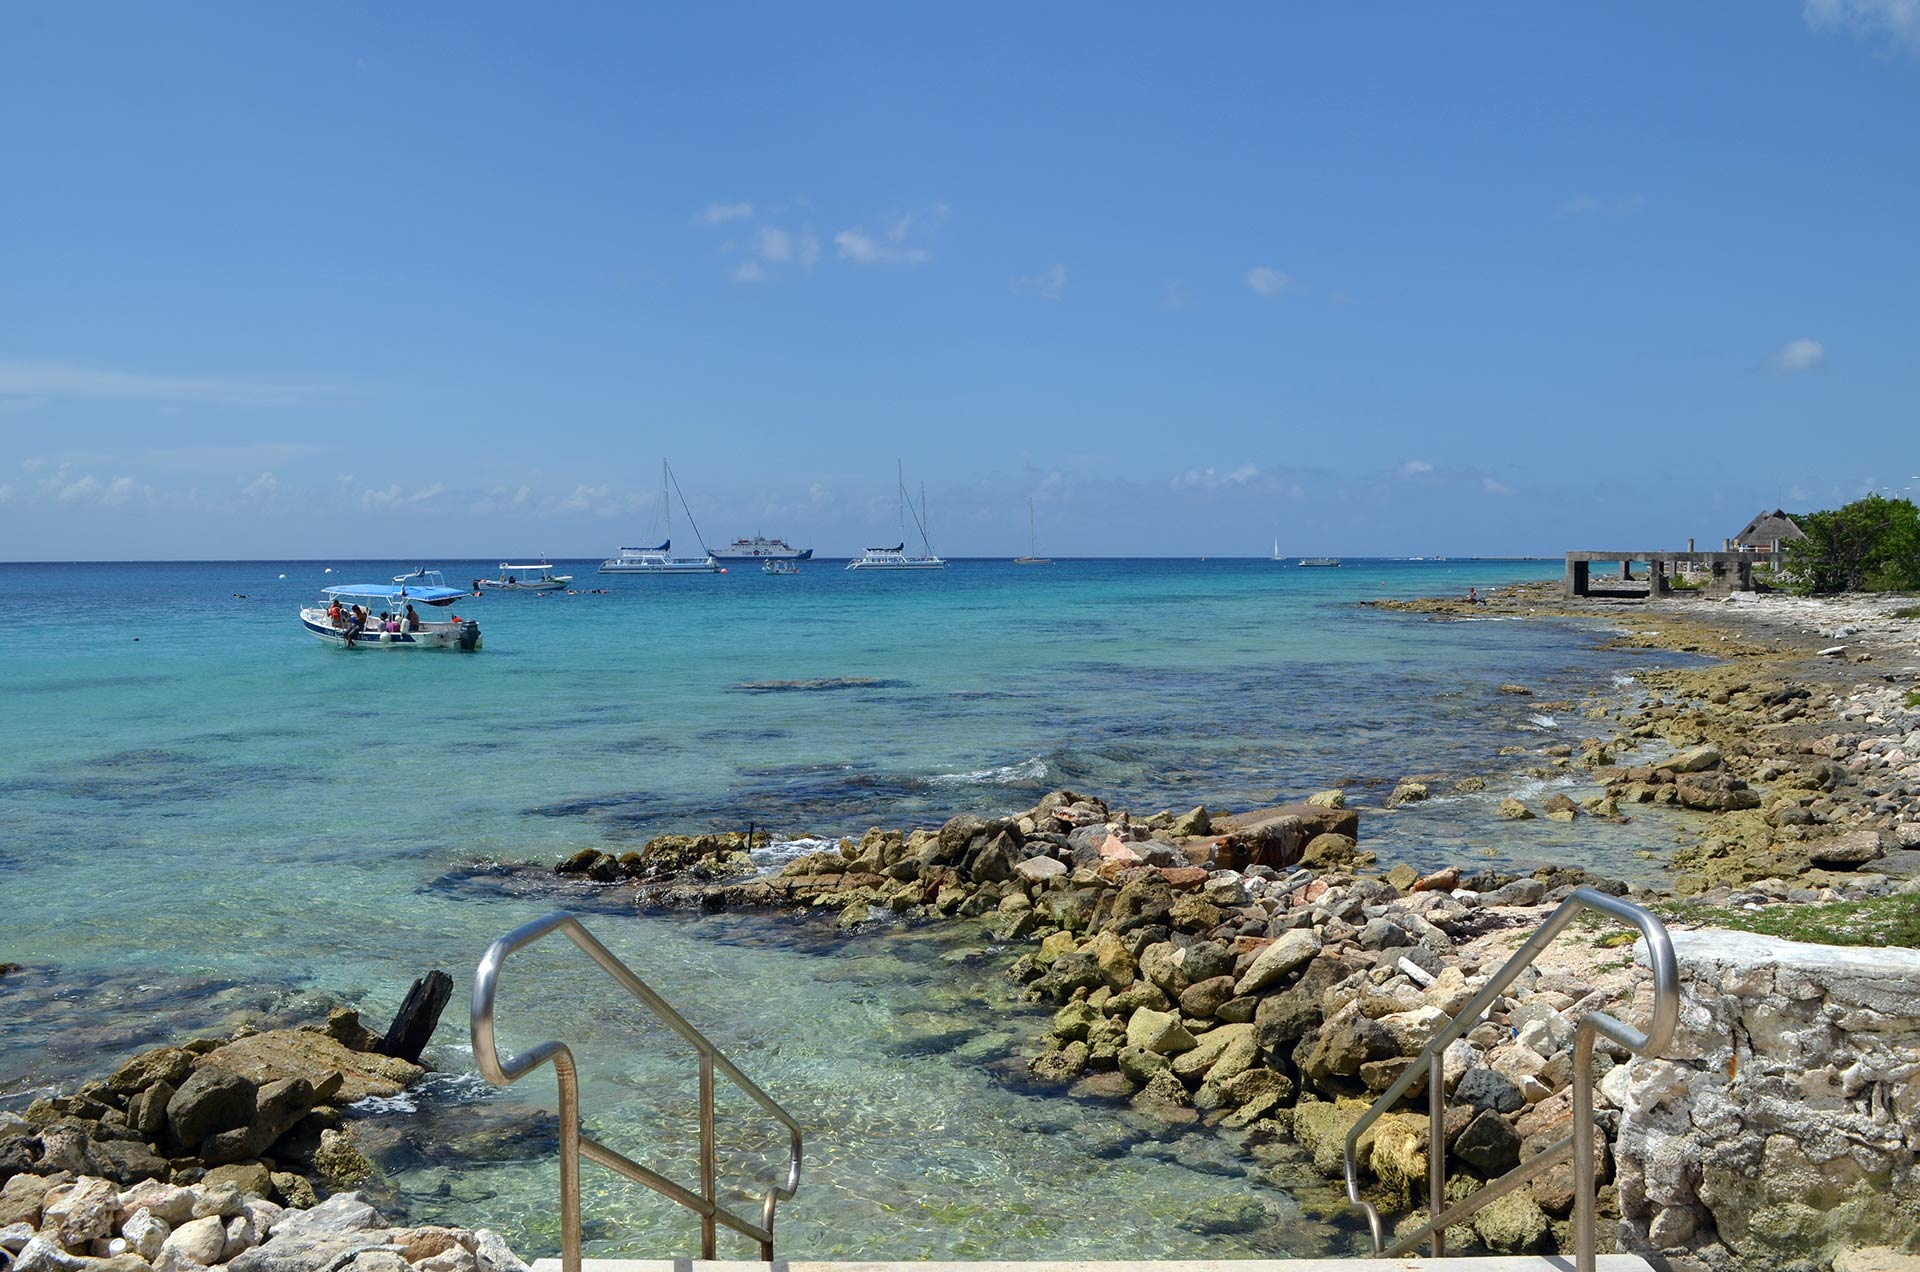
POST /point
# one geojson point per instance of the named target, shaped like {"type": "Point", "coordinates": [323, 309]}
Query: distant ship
{"type": "Point", "coordinates": [761, 548]}
{"type": "Point", "coordinates": [895, 557]}
{"type": "Point", "coordinates": [1309, 561]}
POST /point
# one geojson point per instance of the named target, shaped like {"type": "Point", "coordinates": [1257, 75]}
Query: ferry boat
{"type": "Point", "coordinates": [398, 631]}
{"type": "Point", "coordinates": [773, 565]}
{"type": "Point", "coordinates": [1319, 561]}
{"type": "Point", "coordinates": [661, 560]}
{"type": "Point", "coordinates": [524, 578]}
{"type": "Point", "coordinates": [761, 548]}
{"type": "Point", "coordinates": [895, 557]}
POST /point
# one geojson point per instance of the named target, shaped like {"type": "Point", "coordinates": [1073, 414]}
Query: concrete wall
{"type": "Point", "coordinates": [1785, 1128]}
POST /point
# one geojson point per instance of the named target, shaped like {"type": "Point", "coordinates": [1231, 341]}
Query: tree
{"type": "Point", "coordinates": [1872, 544]}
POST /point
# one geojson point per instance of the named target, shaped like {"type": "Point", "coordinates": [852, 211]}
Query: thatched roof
{"type": "Point", "coordinates": [1767, 529]}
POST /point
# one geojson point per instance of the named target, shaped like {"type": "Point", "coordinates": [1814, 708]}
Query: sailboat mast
{"type": "Point", "coordinates": [1033, 539]}
{"type": "Point", "coordinates": [900, 495]}
{"type": "Point", "coordinates": [666, 502]}
{"type": "Point", "coordinates": [926, 540]}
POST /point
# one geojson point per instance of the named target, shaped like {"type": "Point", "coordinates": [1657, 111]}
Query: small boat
{"type": "Point", "coordinates": [661, 560]}
{"type": "Point", "coordinates": [761, 548]}
{"type": "Point", "coordinates": [1033, 556]}
{"type": "Point", "coordinates": [895, 557]}
{"type": "Point", "coordinates": [396, 629]}
{"type": "Point", "coordinates": [1319, 561]}
{"type": "Point", "coordinates": [524, 578]}
{"type": "Point", "coordinates": [774, 565]}
{"type": "Point", "coordinates": [1276, 557]}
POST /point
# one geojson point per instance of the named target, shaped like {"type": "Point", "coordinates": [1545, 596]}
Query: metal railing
{"type": "Point", "coordinates": [1666, 1010]}
{"type": "Point", "coordinates": [574, 1145]}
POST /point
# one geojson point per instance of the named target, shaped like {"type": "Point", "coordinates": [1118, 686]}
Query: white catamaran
{"type": "Point", "coordinates": [896, 558]}
{"type": "Point", "coordinates": [661, 560]}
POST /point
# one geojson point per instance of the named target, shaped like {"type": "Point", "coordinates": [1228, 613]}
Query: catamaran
{"type": "Point", "coordinates": [344, 618]}
{"type": "Point", "coordinates": [895, 557]}
{"type": "Point", "coordinates": [661, 560]}
{"type": "Point", "coordinates": [524, 578]}
{"type": "Point", "coordinates": [1033, 556]}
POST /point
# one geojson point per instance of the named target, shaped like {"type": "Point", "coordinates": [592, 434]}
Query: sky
{"type": "Point", "coordinates": [363, 280]}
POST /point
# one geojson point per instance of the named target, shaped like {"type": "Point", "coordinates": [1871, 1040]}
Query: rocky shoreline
{"type": "Point", "coordinates": [215, 1153]}
{"type": "Point", "coordinates": [1258, 974]}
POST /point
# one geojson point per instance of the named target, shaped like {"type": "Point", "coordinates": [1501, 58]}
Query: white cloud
{"type": "Point", "coordinates": [1268, 281]}
{"type": "Point", "coordinates": [1415, 468]}
{"type": "Point", "coordinates": [1899, 20]}
{"type": "Point", "coordinates": [260, 487]}
{"type": "Point", "coordinates": [1214, 479]}
{"type": "Point", "coordinates": [32, 465]}
{"type": "Point", "coordinates": [1801, 355]}
{"type": "Point", "coordinates": [1048, 284]}
{"type": "Point", "coordinates": [1489, 486]}
{"type": "Point", "coordinates": [521, 496]}
{"type": "Point", "coordinates": [721, 213]}
{"type": "Point", "coordinates": [778, 246]}
{"type": "Point", "coordinates": [749, 272]}
{"type": "Point", "coordinates": [394, 497]}
{"type": "Point", "coordinates": [24, 378]}
{"type": "Point", "coordinates": [6, 492]}
{"type": "Point", "coordinates": [119, 491]}
{"type": "Point", "coordinates": [85, 488]}
{"type": "Point", "coordinates": [862, 248]}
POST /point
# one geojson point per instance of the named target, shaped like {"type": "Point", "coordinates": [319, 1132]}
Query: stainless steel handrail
{"type": "Point", "coordinates": [1666, 1013]}
{"type": "Point", "coordinates": [574, 1145]}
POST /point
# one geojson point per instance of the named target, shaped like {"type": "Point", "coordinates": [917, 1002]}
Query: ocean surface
{"type": "Point", "coordinates": [209, 816]}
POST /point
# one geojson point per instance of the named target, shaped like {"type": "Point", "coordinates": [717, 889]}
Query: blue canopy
{"type": "Point", "coordinates": [397, 592]}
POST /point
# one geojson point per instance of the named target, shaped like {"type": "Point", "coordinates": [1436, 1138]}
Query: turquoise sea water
{"type": "Point", "coordinates": [206, 811]}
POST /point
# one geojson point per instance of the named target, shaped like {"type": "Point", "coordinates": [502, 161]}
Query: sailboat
{"type": "Point", "coordinates": [661, 560]}
{"type": "Point", "coordinates": [1276, 557]}
{"type": "Point", "coordinates": [896, 558]}
{"type": "Point", "coordinates": [1033, 556]}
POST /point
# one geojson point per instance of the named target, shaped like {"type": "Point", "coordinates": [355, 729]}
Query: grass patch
{"type": "Point", "coordinates": [1911, 611]}
{"type": "Point", "coordinates": [1882, 921]}
{"type": "Point", "coordinates": [1913, 697]}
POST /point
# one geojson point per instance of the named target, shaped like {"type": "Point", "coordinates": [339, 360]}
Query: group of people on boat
{"type": "Point", "coordinates": [355, 620]}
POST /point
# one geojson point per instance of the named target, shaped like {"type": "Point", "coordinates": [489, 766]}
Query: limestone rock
{"type": "Point", "coordinates": [1512, 809]}
{"type": "Point", "coordinates": [1159, 1032]}
{"type": "Point", "coordinates": [1293, 949]}
{"type": "Point", "coordinates": [278, 1054]}
{"type": "Point", "coordinates": [211, 1099]}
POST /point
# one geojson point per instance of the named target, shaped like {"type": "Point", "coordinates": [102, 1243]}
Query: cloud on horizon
{"type": "Point", "coordinates": [28, 378]}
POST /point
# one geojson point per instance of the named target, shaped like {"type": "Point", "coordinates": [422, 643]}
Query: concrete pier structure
{"type": "Point", "coordinates": [1727, 571]}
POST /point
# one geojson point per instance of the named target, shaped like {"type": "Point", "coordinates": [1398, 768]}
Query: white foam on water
{"type": "Point", "coordinates": [1543, 721]}
{"type": "Point", "coordinates": [771, 856]}
{"type": "Point", "coordinates": [384, 1105]}
{"type": "Point", "coordinates": [1622, 679]}
{"type": "Point", "coordinates": [1029, 770]}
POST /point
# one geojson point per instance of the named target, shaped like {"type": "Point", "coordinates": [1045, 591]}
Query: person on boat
{"type": "Point", "coordinates": [356, 623]}
{"type": "Point", "coordinates": [413, 619]}
{"type": "Point", "coordinates": [333, 613]}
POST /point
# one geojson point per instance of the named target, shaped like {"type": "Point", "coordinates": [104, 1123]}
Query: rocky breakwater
{"type": "Point", "coordinates": [1247, 974]}
{"type": "Point", "coordinates": [1783, 1127]}
{"type": "Point", "coordinates": [89, 1224]}
{"type": "Point", "coordinates": [259, 1110]}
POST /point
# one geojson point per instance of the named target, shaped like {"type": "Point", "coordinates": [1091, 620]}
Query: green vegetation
{"type": "Point", "coordinates": [1871, 545]}
{"type": "Point", "coordinates": [1911, 611]}
{"type": "Point", "coordinates": [1882, 921]}
{"type": "Point", "coordinates": [1913, 697]}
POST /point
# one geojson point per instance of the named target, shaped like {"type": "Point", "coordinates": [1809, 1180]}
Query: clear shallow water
{"type": "Point", "coordinates": [223, 815]}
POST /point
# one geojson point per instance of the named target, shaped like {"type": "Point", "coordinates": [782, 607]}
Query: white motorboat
{"type": "Point", "coordinates": [1319, 561]}
{"type": "Point", "coordinates": [774, 565]}
{"type": "Point", "coordinates": [896, 558]}
{"type": "Point", "coordinates": [661, 560]}
{"type": "Point", "coordinates": [344, 618]}
{"type": "Point", "coordinates": [524, 578]}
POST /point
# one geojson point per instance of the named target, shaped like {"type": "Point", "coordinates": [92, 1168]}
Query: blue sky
{"type": "Point", "coordinates": [450, 280]}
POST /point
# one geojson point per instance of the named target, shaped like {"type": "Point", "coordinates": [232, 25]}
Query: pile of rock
{"type": "Point", "coordinates": [703, 857]}
{"type": "Point", "coordinates": [88, 1224]}
{"type": "Point", "coordinates": [1234, 971]}
{"type": "Point", "coordinates": [261, 1111]}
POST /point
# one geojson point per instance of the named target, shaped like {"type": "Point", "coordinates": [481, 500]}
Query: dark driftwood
{"type": "Point", "coordinates": [413, 1025]}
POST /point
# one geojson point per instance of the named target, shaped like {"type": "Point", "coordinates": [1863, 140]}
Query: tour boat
{"type": "Point", "coordinates": [773, 565]}
{"type": "Point", "coordinates": [761, 548]}
{"type": "Point", "coordinates": [1312, 561]}
{"type": "Point", "coordinates": [524, 578]}
{"type": "Point", "coordinates": [661, 560]}
{"type": "Point", "coordinates": [423, 587]}
{"type": "Point", "coordinates": [896, 558]}
{"type": "Point", "coordinates": [1033, 556]}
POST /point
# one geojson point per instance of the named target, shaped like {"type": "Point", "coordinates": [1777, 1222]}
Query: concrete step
{"type": "Point", "coordinates": [1523, 1263]}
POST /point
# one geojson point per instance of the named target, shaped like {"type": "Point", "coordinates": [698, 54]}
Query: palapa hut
{"type": "Point", "coordinates": [1767, 532]}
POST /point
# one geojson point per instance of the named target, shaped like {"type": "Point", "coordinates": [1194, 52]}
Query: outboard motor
{"type": "Point", "coordinates": [469, 635]}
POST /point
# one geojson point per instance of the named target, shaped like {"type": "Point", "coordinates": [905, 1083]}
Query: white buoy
{"type": "Point", "coordinates": [283, 576]}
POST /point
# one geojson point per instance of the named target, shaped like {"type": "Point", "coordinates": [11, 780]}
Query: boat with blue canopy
{"type": "Point", "coordinates": [345, 616]}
